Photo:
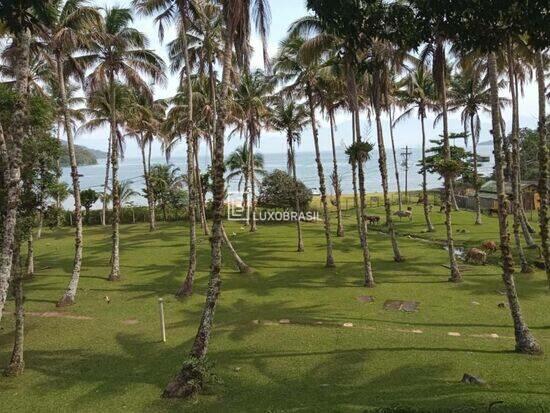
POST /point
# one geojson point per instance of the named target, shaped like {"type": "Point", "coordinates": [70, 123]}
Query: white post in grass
{"type": "Point", "coordinates": [162, 326]}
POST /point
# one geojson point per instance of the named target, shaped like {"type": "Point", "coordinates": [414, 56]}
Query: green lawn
{"type": "Point", "coordinates": [115, 362]}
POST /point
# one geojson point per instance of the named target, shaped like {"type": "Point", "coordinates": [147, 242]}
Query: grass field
{"type": "Point", "coordinates": [111, 358]}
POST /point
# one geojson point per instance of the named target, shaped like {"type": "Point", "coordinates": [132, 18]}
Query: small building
{"type": "Point", "coordinates": [529, 191]}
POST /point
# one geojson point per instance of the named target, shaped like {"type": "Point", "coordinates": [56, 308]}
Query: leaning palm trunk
{"type": "Point", "coordinates": [190, 379]}
{"type": "Point", "coordinates": [70, 294]}
{"type": "Point", "coordinates": [106, 182]}
{"type": "Point", "coordinates": [17, 362]}
{"type": "Point", "coordinates": [425, 203]}
{"type": "Point", "coordinates": [292, 161]}
{"type": "Point", "coordinates": [453, 196]}
{"type": "Point", "coordinates": [13, 143]}
{"type": "Point", "coordinates": [476, 174]}
{"type": "Point", "coordinates": [336, 180]}
{"type": "Point", "coordinates": [544, 166]}
{"type": "Point", "coordinates": [515, 165]}
{"type": "Point", "coordinates": [384, 175]}
{"type": "Point", "coordinates": [115, 190]}
{"type": "Point", "coordinates": [525, 342]}
{"type": "Point", "coordinates": [241, 265]}
{"type": "Point", "coordinates": [399, 200]}
{"type": "Point", "coordinates": [322, 187]}
{"type": "Point", "coordinates": [187, 288]}
{"type": "Point", "coordinates": [150, 201]}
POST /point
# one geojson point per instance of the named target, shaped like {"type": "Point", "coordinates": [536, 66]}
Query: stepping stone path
{"type": "Point", "coordinates": [469, 379]}
{"type": "Point", "coordinates": [400, 305]}
{"type": "Point", "coordinates": [284, 321]}
{"type": "Point", "coordinates": [347, 325]}
{"type": "Point", "coordinates": [453, 334]}
{"type": "Point", "coordinates": [365, 299]}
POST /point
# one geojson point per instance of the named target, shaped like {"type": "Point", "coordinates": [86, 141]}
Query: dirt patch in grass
{"type": "Point", "coordinates": [57, 314]}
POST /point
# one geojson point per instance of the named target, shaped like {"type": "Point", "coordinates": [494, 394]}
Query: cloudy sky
{"type": "Point", "coordinates": [283, 13]}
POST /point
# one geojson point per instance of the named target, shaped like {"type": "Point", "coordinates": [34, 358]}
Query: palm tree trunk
{"type": "Point", "coordinates": [336, 180]}
{"type": "Point", "coordinates": [187, 287]}
{"type": "Point", "coordinates": [241, 265]}
{"type": "Point", "coordinates": [251, 170]}
{"type": "Point", "coordinates": [384, 175]}
{"type": "Point", "coordinates": [30, 256]}
{"type": "Point", "coordinates": [17, 362]}
{"type": "Point", "coordinates": [544, 165]}
{"type": "Point", "coordinates": [425, 202]}
{"type": "Point", "coordinates": [290, 139]}
{"type": "Point", "coordinates": [354, 184]}
{"type": "Point", "coordinates": [150, 203]}
{"type": "Point", "coordinates": [455, 271]}
{"type": "Point", "coordinates": [363, 230]}
{"type": "Point", "coordinates": [476, 174]}
{"type": "Point", "coordinates": [115, 190]}
{"type": "Point", "coordinates": [515, 165]}
{"type": "Point", "coordinates": [70, 294]}
{"type": "Point", "coordinates": [525, 342]}
{"type": "Point", "coordinates": [200, 191]}
{"type": "Point", "coordinates": [106, 181]}
{"type": "Point", "coordinates": [191, 378]}
{"type": "Point", "coordinates": [14, 140]}
{"type": "Point", "coordinates": [320, 172]}
{"type": "Point", "coordinates": [395, 162]}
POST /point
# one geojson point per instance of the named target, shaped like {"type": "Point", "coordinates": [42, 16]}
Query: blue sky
{"type": "Point", "coordinates": [283, 13]}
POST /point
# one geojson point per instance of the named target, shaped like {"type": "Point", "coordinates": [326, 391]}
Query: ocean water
{"type": "Point", "coordinates": [131, 170]}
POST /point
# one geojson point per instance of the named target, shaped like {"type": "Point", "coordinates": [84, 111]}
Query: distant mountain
{"type": "Point", "coordinates": [84, 156]}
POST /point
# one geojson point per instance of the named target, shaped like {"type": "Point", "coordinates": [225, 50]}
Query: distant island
{"type": "Point", "coordinates": [84, 156]}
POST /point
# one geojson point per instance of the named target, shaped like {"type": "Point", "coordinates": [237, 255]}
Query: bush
{"type": "Point", "coordinates": [278, 190]}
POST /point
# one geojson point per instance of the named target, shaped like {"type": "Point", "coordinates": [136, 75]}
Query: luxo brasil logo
{"type": "Point", "coordinates": [238, 210]}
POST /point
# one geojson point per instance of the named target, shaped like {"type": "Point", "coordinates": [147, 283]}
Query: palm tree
{"type": "Point", "coordinates": [98, 111]}
{"type": "Point", "coordinates": [417, 93]}
{"type": "Point", "coordinates": [469, 91]}
{"type": "Point", "coordinates": [126, 193]}
{"type": "Point", "coordinates": [291, 118]}
{"type": "Point", "coordinates": [544, 163]}
{"type": "Point", "coordinates": [68, 33]}
{"type": "Point", "coordinates": [119, 51]}
{"type": "Point", "coordinates": [436, 51]}
{"type": "Point", "coordinates": [239, 163]}
{"type": "Point", "coordinates": [332, 99]}
{"type": "Point", "coordinates": [250, 107]}
{"type": "Point", "coordinates": [525, 342]}
{"type": "Point", "coordinates": [190, 378]}
{"type": "Point", "coordinates": [302, 72]}
{"type": "Point", "coordinates": [358, 154]}
{"type": "Point", "coordinates": [21, 21]}
{"type": "Point", "coordinates": [143, 122]}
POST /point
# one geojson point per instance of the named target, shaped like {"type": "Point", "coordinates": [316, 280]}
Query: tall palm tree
{"type": "Point", "coordinates": [69, 33]}
{"type": "Point", "coordinates": [525, 342]}
{"type": "Point", "coordinates": [378, 79]}
{"type": "Point", "coordinates": [544, 163]}
{"type": "Point", "coordinates": [239, 163]}
{"type": "Point", "coordinates": [119, 52]}
{"type": "Point", "coordinates": [469, 93]}
{"type": "Point", "coordinates": [291, 118]}
{"type": "Point", "coordinates": [21, 21]}
{"type": "Point", "coordinates": [190, 378]}
{"type": "Point", "coordinates": [332, 99]}
{"type": "Point", "coordinates": [143, 122]}
{"type": "Point", "coordinates": [302, 73]}
{"type": "Point", "coordinates": [250, 108]}
{"type": "Point", "coordinates": [436, 51]}
{"type": "Point", "coordinates": [417, 93]}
